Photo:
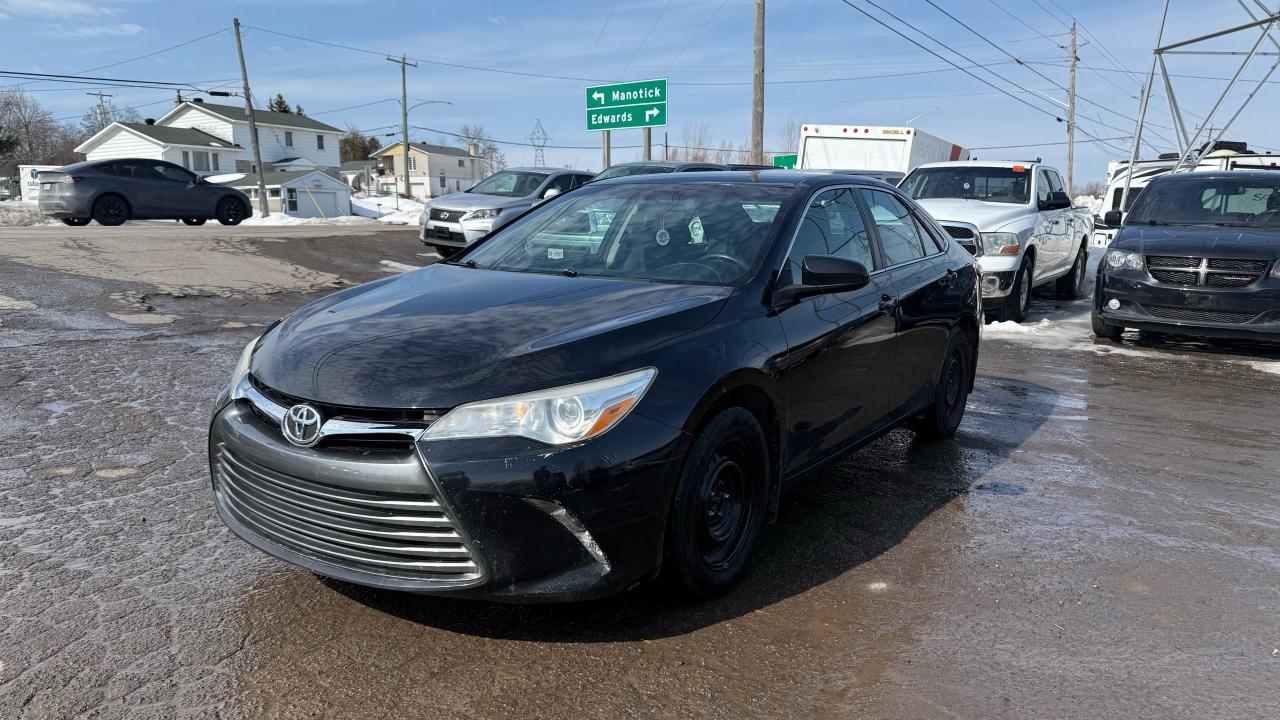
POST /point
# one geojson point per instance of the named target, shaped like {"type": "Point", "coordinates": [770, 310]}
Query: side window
{"type": "Point", "coordinates": [172, 172]}
{"type": "Point", "coordinates": [1055, 182]}
{"type": "Point", "coordinates": [833, 225]}
{"type": "Point", "coordinates": [933, 242]}
{"type": "Point", "coordinates": [562, 183]}
{"type": "Point", "coordinates": [901, 237]}
{"type": "Point", "coordinates": [1042, 187]}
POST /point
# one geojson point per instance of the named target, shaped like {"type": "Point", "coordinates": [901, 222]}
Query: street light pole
{"type": "Point", "coordinates": [404, 117]}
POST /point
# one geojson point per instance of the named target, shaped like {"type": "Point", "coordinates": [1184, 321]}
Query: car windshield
{"type": "Point", "coordinates": [511, 183]}
{"type": "Point", "coordinates": [1191, 200]}
{"type": "Point", "coordinates": [990, 184]}
{"type": "Point", "coordinates": [629, 170]}
{"type": "Point", "coordinates": [690, 233]}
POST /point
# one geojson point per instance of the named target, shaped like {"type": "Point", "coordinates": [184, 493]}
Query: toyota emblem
{"type": "Point", "coordinates": [301, 425]}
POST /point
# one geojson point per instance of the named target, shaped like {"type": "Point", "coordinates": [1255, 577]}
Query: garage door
{"type": "Point", "coordinates": [317, 203]}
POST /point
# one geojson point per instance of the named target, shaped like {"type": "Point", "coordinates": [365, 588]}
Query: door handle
{"type": "Point", "coordinates": [888, 303]}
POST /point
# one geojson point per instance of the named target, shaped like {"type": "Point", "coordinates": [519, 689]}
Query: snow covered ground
{"type": "Point", "coordinates": [383, 209]}
{"type": "Point", "coordinates": [277, 218]}
{"type": "Point", "coordinates": [14, 213]}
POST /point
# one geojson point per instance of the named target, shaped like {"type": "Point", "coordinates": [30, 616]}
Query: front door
{"type": "Point", "coordinates": [840, 345]}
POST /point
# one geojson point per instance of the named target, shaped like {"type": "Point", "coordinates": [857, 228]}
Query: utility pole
{"type": "Point", "coordinates": [102, 106]}
{"type": "Point", "coordinates": [1071, 116]}
{"type": "Point", "coordinates": [648, 143]}
{"type": "Point", "coordinates": [606, 145]}
{"type": "Point", "coordinates": [757, 90]}
{"type": "Point", "coordinates": [404, 118]}
{"type": "Point", "coordinates": [665, 146]}
{"type": "Point", "coordinates": [263, 210]}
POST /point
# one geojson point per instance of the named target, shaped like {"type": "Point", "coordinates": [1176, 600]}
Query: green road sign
{"type": "Point", "coordinates": [638, 104]}
{"type": "Point", "coordinates": [785, 161]}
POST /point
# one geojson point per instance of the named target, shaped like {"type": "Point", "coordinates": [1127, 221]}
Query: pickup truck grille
{"type": "Point", "coordinates": [965, 236]}
{"type": "Point", "coordinates": [1205, 272]}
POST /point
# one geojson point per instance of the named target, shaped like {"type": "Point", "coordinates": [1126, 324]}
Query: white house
{"type": "Point", "coordinates": [303, 193]}
{"type": "Point", "coordinates": [434, 170]}
{"type": "Point", "coordinates": [213, 139]}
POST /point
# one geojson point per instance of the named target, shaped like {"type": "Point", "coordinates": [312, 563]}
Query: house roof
{"type": "Point", "coordinates": [275, 178]}
{"type": "Point", "coordinates": [357, 165]}
{"type": "Point", "coordinates": [236, 112]}
{"type": "Point", "coordinates": [428, 148]}
{"type": "Point", "coordinates": [159, 133]}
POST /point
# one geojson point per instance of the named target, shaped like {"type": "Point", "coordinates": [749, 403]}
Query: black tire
{"type": "Point", "coordinates": [1104, 329]}
{"type": "Point", "coordinates": [1071, 285]}
{"type": "Point", "coordinates": [193, 221]}
{"type": "Point", "coordinates": [720, 505]}
{"type": "Point", "coordinates": [1153, 335]}
{"type": "Point", "coordinates": [445, 252]}
{"type": "Point", "coordinates": [111, 210]}
{"type": "Point", "coordinates": [1016, 305]}
{"type": "Point", "coordinates": [76, 222]}
{"type": "Point", "coordinates": [942, 418]}
{"type": "Point", "coordinates": [231, 211]}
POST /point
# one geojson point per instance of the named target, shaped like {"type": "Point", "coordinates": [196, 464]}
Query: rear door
{"type": "Point", "coordinates": [920, 283]}
{"type": "Point", "coordinates": [1048, 229]}
{"type": "Point", "coordinates": [184, 195]}
{"type": "Point", "coordinates": [840, 345]}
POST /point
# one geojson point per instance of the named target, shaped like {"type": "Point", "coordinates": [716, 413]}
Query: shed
{"type": "Point", "coordinates": [303, 193]}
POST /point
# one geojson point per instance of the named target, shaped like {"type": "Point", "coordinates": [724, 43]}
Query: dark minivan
{"type": "Point", "coordinates": [620, 381]}
{"type": "Point", "coordinates": [1198, 255]}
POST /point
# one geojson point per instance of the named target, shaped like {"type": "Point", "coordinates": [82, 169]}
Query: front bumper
{"type": "Point", "coordinates": [998, 272]}
{"type": "Point", "coordinates": [523, 522]}
{"type": "Point", "coordinates": [454, 234]}
{"type": "Point", "coordinates": [1251, 312]}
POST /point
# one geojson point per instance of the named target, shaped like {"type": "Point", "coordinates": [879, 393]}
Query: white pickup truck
{"type": "Point", "coordinates": [1017, 219]}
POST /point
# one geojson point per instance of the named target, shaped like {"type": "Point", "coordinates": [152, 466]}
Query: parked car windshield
{"type": "Point", "coordinates": [629, 170]}
{"type": "Point", "coordinates": [512, 183]}
{"type": "Point", "coordinates": [692, 233]}
{"type": "Point", "coordinates": [1191, 200]}
{"type": "Point", "coordinates": [990, 184]}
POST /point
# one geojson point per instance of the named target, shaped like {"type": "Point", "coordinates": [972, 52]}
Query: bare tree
{"type": "Point", "coordinates": [480, 143]}
{"type": "Point", "coordinates": [99, 116]}
{"type": "Point", "coordinates": [788, 140]}
{"type": "Point", "coordinates": [1094, 188]}
{"type": "Point", "coordinates": [31, 134]}
{"type": "Point", "coordinates": [695, 143]}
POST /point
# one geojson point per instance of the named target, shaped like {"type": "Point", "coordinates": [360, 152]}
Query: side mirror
{"type": "Point", "coordinates": [550, 193]}
{"type": "Point", "coordinates": [1113, 218]}
{"type": "Point", "coordinates": [1058, 200]}
{"type": "Point", "coordinates": [822, 274]}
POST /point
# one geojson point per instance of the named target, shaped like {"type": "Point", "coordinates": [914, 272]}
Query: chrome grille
{"type": "Point", "coordinates": [398, 534]}
{"type": "Point", "coordinates": [1205, 272]}
{"type": "Point", "coordinates": [444, 215]}
{"type": "Point", "coordinates": [966, 236]}
{"type": "Point", "coordinates": [958, 232]}
{"type": "Point", "coordinates": [1193, 315]}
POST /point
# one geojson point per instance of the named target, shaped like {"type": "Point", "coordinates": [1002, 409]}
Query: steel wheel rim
{"type": "Point", "coordinates": [724, 507]}
{"type": "Point", "coordinates": [1024, 291]}
{"type": "Point", "coordinates": [1080, 261]}
{"type": "Point", "coordinates": [951, 386]}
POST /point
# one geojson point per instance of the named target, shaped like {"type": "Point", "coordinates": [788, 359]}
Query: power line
{"type": "Point", "coordinates": [145, 55]}
{"type": "Point", "coordinates": [578, 86]}
{"type": "Point", "coordinates": [1050, 144]}
{"type": "Point", "coordinates": [694, 36]}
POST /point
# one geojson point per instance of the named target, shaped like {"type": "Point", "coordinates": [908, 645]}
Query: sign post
{"type": "Point", "coordinates": [620, 106]}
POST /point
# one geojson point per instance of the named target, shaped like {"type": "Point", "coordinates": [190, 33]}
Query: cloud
{"type": "Point", "coordinates": [121, 30]}
{"type": "Point", "coordinates": [48, 8]}
{"type": "Point", "coordinates": [497, 19]}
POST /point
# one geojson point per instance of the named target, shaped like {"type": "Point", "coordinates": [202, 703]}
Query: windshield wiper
{"type": "Point", "coordinates": [569, 272]}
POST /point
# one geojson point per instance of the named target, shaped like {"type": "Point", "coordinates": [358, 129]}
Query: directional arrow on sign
{"type": "Point", "coordinates": [598, 97]}
{"type": "Point", "coordinates": [650, 113]}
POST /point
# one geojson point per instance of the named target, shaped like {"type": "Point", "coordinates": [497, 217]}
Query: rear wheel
{"type": "Point", "coordinates": [1104, 329]}
{"type": "Point", "coordinates": [1071, 285]}
{"type": "Point", "coordinates": [193, 221]}
{"type": "Point", "coordinates": [111, 210]}
{"type": "Point", "coordinates": [76, 222]}
{"type": "Point", "coordinates": [942, 418]}
{"type": "Point", "coordinates": [231, 211]}
{"type": "Point", "coordinates": [719, 505]}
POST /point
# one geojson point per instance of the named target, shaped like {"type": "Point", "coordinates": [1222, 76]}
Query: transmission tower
{"type": "Point", "coordinates": [539, 139]}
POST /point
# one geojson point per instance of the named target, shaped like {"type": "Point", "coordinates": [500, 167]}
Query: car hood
{"type": "Point", "coordinates": [446, 335]}
{"type": "Point", "coordinates": [988, 216]}
{"type": "Point", "coordinates": [476, 201]}
{"type": "Point", "coordinates": [1200, 241]}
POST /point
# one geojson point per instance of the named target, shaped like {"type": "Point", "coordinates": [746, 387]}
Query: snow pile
{"type": "Point", "coordinates": [1009, 327]}
{"type": "Point", "coordinates": [230, 177]}
{"type": "Point", "coordinates": [1093, 202]}
{"type": "Point", "coordinates": [1266, 367]}
{"type": "Point", "coordinates": [14, 213]}
{"type": "Point", "coordinates": [278, 219]}
{"type": "Point", "coordinates": [383, 209]}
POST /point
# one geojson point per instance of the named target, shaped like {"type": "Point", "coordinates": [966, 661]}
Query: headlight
{"type": "Point", "coordinates": [1001, 244]}
{"type": "Point", "coordinates": [1275, 270]}
{"type": "Point", "coordinates": [559, 416]}
{"type": "Point", "coordinates": [484, 214]}
{"type": "Point", "coordinates": [242, 366]}
{"type": "Point", "coordinates": [1123, 260]}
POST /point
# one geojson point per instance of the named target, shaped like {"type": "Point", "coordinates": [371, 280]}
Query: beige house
{"type": "Point", "coordinates": [434, 170]}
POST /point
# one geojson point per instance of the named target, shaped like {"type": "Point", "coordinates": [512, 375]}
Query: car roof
{"type": "Point", "coordinates": [532, 168]}
{"type": "Point", "coordinates": [668, 163]}
{"type": "Point", "coordinates": [982, 163]}
{"type": "Point", "coordinates": [794, 178]}
{"type": "Point", "coordinates": [1220, 175]}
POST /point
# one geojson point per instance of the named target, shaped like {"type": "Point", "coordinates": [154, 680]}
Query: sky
{"type": "Point", "coordinates": [825, 63]}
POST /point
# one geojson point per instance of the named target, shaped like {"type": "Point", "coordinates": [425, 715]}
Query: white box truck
{"type": "Point", "coordinates": [882, 151]}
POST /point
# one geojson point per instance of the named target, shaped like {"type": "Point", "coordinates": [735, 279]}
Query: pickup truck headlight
{"type": "Point", "coordinates": [1001, 243]}
{"type": "Point", "coordinates": [483, 214]}
{"type": "Point", "coordinates": [559, 416]}
{"type": "Point", "coordinates": [1124, 260]}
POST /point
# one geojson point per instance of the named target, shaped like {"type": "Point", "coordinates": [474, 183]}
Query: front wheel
{"type": "Point", "coordinates": [719, 504]}
{"type": "Point", "coordinates": [1071, 285]}
{"type": "Point", "coordinates": [231, 211]}
{"type": "Point", "coordinates": [1105, 330]}
{"type": "Point", "coordinates": [1015, 306]}
{"type": "Point", "coordinates": [445, 251]}
{"type": "Point", "coordinates": [193, 221]}
{"type": "Point", "coordinates": [942, 418]}
{"type": "Point", "coordinates": [76, 222]}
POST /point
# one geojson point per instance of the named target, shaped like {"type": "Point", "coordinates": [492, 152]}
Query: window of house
{"type": "Point", "coordinates": [186, 159]}
{"type": "Point", "coordinates": [200, 161]}
{"type": "Point", "coordinates": [214, 157]}
{"type": "Point", "coordinates": [413, 163]}
{"type": "Point", "coordinates": [293, 200]}
{"type": "Point", "coordinates": [319, 142]}
{"type": "Point", "coordinates": [389, 162]}
{"type": "Point", "coordinates": [462, 163]}
{"type": "Point", "coordinates": [288, 138]}
{"type": "Point", "coordinates": [273, 193]}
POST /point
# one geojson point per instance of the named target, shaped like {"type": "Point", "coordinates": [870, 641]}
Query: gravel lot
{"type": "Point", "coordinates": [1101, 540]}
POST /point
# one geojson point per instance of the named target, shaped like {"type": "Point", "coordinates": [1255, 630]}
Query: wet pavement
{"type": "Point", "coordinates": [1101, 540]}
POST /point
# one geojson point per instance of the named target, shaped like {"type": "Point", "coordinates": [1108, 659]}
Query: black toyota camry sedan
{"type": "Point", "coordinates": [618, 383]}
{"type": "Point", "coordinates": [1199, 255]}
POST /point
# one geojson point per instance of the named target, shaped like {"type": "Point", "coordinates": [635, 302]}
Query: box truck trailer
{"type": "Point", "coordinates": [872, 148]}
